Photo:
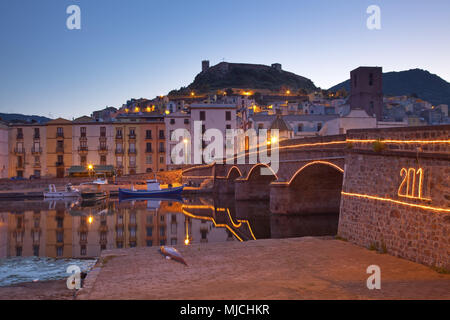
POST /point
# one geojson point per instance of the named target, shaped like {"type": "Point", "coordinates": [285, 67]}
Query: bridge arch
{"type": "Point", "coordinates": [234, 173]}
{"type": "Point", "coordinates": [314, 189]}
{"type": "Point", "coordinates": [255, 186]}
{"type": "Point", "coordinates": [253, 173]}
{"type": "Point", "coordinates": [314, 163]}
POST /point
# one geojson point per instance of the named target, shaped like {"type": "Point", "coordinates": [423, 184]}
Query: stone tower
{"type": "Point", "coordinates": [205, 65]}
{"type": "Point", "coordinates": [366, 90]}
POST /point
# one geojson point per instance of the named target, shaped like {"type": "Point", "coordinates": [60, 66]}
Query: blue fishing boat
{"type": "Point", "coordinates": [153, 190]}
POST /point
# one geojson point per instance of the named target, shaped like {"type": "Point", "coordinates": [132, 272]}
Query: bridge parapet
{"type": "Point", "coordinates": [426, 139]}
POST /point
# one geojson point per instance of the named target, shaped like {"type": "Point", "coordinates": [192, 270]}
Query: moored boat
{"type": "Point", "coordinates": [69, 192]}
{"type": "Point", "coordinates": [153, 190]}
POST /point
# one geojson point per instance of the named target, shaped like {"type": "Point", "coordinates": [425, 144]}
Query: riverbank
{"type": "Point", "coordinates": [45, 290]}
{"type": "Point", "coordinates": [34, 189]}
{"type": "Point", "coordinates": [300, 268]}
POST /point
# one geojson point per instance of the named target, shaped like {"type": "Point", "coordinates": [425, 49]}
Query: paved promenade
{"type": "Point", "coordinates": [304, 268]}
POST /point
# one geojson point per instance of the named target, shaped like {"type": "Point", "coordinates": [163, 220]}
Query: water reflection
{"type": "Point", "coordinates": [65, 229]}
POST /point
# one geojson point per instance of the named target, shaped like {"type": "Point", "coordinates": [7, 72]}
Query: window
{"type": "Point", "coordinates": [83, 132]}
{"type": "Point", "coordinates": [172, 121]}
{"type": "Point", "coordinates": [36, 251]}
{"type": "Point", "coordinates": [161, 147]}
{"type": "Point", "coordinates": [370, 79]}
{"type": "Point", "coordinates": [119, 133]}
{"type": "Point", "coordinates": [82, 250]}
{"type": "Point", "coordinates": [148, 147]}
{"type": "Point", "coordinates": [149, 231]}
{"type": "Point", "coordinates": [161, 160]}
{"type": "Point", "coordinates": [173, 242]}
{"type": "Point", "coordinates": [228, 115]}
{"type": "Point", "coordinates": [161, 134]}
{"type": "Point", "coordinates": [60, 132]}
{"type": "Point", "coordinates": [202, 115]}
{"type": "Point", "coordinates": [59, 237]}
{"type": "Point", "coordinates": [59, 222]}
{"type": "Point", "coordinates": [60, 159]}
{"type": "Point", "coordinates": [300, 127]}
{"type": "Point", "coordinates": [148, 160]}
{"type": "Point", "coordinates": [60, 144]}
{"type": "Point", "coordinates": [36, 133]}
{"type": "Point", "coordinates": [19, 133]}
{"type": "Point", "coordinates": [103, 160]}
{"type": "Point", "coordinates": [132, 133]}
{"type": "Point", "coordinates": [59, 251]}
{"type": "Point", "coordinates": [102, 131]}
{"type": "Point", "coordinates": [148, 134]}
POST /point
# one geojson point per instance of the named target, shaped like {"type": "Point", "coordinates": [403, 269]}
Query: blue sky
{"type": "Point", "coordinates": [144, 48]}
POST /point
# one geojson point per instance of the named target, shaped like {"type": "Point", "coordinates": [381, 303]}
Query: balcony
{"type": "Point", "coordinates": [162, 137]}
{"type": "Point", "coordinates": [132, 165]}
{"type": "Point", "coordinates": [132, 151]}
{"type": "Point", "coordinates": [59, 163]}
{"type": "Point", "coordinates": [83, 150]}
{"type": "Point", "coordinates": [162, 150]}
{"type": "Point", "coordinates": [132, 136]}
{"type": "Point", "coordinates": [36, 150]}
{"type": "Point", "coordinates": [36, 165]}
{"type": "Point", "coordinates": [148, 151]}
{"type": "Point", "coordinates": [103, 149]}
{"type": "Point", "coordinates": [37, 137]}
{"type": "Point", "coordinates": [19, 136]}
{"type": "Point", "coordinates": [20, 165]}
{"type": "Point", "coordinates": [119, 137]}
{"type": "Point", "coordinates": [19, 150]}
{"type": "Point", "coordinates": [119, 152]}
{"type": "Point", "coordinates": [59, 149]}
{"type": "Point", "coordinates": [60, 134]}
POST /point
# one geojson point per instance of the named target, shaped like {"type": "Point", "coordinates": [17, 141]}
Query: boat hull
{"type": "Point", "coordinates": [61, 195]}
{"type": "Point", "coordinates": [124, 193]}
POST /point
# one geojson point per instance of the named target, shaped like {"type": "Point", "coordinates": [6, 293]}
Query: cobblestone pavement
{"type": "Point", "coordinates": [303, 268]}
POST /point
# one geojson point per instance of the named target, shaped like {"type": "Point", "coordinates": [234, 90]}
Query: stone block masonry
{"type": "Point", "coordinates": [399, 201]}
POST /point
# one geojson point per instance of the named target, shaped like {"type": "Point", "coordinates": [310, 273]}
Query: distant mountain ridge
{"type": "Point", "coordinates": [246, 76]}
{"type": "Point", "coordinates": [425, 85]}
{"type": "Point", "coordinates": [17, 117]}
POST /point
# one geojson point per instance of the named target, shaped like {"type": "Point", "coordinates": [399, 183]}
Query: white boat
{"type": "Point", "coordinates": [69, 192]}
{"type": "Point", "coordinates": [100, 181]}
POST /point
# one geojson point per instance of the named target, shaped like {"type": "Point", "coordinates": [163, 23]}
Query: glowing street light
{"type": "Point", "coordinates": [274, 140]}
{"type": "Point", "coordinates": [90, 219]}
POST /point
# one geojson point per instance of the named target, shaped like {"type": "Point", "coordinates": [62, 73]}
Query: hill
{"type": "Point", "coordinates": [425, 85]}
{"type": "Point", "coordinates": [16, 117]}
{"type": "Point", "coordinates": [246, 76]}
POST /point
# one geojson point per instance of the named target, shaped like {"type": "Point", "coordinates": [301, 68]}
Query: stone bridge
{"type": "Point", "coordinates": [390, 187]}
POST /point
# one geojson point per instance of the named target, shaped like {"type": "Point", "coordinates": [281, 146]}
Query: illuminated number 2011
{"type": "Point", "coordinates": [410, 183]}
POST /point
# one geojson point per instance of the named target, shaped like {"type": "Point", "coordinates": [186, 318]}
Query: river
{"type": "Point", "coordinates": [39, 239]}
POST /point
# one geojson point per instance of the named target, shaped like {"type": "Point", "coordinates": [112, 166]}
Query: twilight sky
{"type": "Point", "coordinates": [143, 48]}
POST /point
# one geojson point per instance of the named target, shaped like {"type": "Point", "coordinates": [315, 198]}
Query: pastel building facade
{"type": "Point", "coordinates": [4, 151]}
{"type": "Point", "coordinates": [92, 143]}
{"type": "Point", "coordinates": [27, 146]}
